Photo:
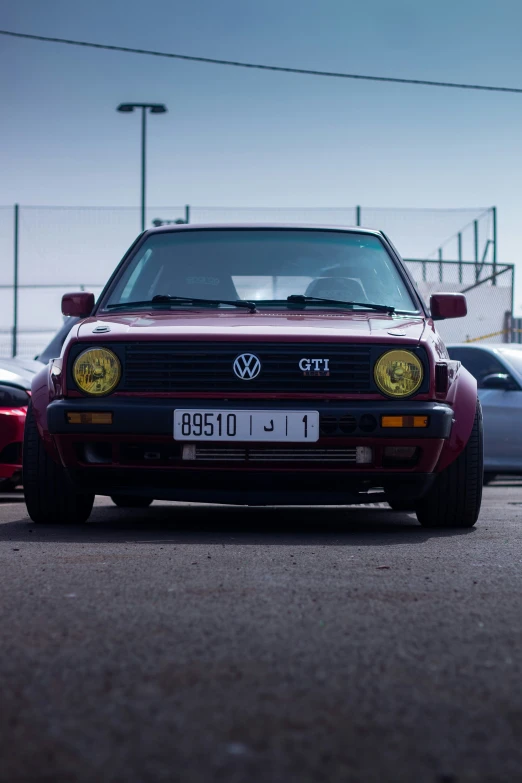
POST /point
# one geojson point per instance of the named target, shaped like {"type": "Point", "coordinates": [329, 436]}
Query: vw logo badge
{"type": "Point", "coordinates": [247, 366]}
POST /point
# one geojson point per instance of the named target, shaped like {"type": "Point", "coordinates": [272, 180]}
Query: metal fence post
{"type": "Point", "coordinates": [476, 243]}
{"type": "Point", "coordinates": [440, 265]}
{"type": "Point", "coordinates": [507, 335]}
{"type": "Point", "coordinates": [357, 216]}
{"type": "Point", "coordinates": [494, 215]}
{"type": "Point", "coordinates": [459, 243]}
{"type": "Point", "coordinates": [187, 213]}
{"type": "Point", "coordinates": [14, 348]}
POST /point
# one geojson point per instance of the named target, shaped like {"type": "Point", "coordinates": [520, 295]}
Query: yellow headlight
{"type": "Point", "coordinates": [97, 371]}
{"type": "Point", "coordinates": [398, 373]}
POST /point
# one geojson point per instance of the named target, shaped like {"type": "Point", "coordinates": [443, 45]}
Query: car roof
{"type": "Point", "coordinates": [292, 226]}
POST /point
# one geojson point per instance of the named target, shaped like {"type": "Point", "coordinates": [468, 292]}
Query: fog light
{"type": "Point", "coordinates": [189, 451]}
{"type": "Point", "coordinates": [363, 455]}
{"type": "Point", "coordinates": [89, 418]}
{"type": "Point", "coordinates": [400, 452]}
{"type": "Point", "coordinates": [404, 421]}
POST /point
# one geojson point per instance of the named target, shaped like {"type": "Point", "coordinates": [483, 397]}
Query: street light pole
{"type": "Point", "coordinates": [154, 108]}
{"type": "Point", "coordinates": [143, 163]}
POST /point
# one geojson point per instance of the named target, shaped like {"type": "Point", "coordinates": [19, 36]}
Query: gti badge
{"type": "Point", "coordinates": [247, 366]}
{"type": "Point", "coordinates": [315, 366]}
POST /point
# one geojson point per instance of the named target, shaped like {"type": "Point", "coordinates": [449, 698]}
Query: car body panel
{"type": "Point", "coordinates": [502, 429]}
{"type": "Point", "coordinates": [264, 325]}
{"type": "Point", "coordinates": [54, 348]}
{"type": "Point", "coordinates": [19, 374]}
{"type": "Point", "coordinates": [502, 409]}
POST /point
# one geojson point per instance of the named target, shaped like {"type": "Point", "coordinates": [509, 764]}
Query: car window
{"type": "Point", "coordinates": [479, 362]}
{"type": "Point", "coordinates": [513, 357]}
{"type": "Point", "coordinates": [258, 264]}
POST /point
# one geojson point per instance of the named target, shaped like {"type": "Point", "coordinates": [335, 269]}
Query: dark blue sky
{"type": "Point", "coordinates": [239, 137]}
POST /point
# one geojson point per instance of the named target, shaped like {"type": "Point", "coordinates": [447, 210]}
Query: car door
{"type": "Point", "coordinates": [502, 408]}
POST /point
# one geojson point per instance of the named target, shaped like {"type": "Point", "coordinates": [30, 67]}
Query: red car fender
{"type": "Point", "coordinates": [42, 393]}
{"type": "Point", "coordinates": [462, 396]}
{"type": "Point", "coordinates": [46, 386]}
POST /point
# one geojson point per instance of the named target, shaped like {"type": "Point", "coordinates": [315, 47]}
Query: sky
{"type": "Point", "coordinates": [237, 137]}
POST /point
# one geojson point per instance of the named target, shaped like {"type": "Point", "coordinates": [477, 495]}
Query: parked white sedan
{"type": "Point", "coordinates": [498, 370]}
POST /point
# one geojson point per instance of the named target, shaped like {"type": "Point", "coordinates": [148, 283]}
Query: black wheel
{"type": "Point", "coordinates": [131, 501]}
{"type": "Point", "coordinates": [454, 498]}
{"type": "Point", "coordinates": [402, 505]}
{"type": "Point", "coordinates": [489, 477]}
{"type": "Point", "coordinates": [49, 496]}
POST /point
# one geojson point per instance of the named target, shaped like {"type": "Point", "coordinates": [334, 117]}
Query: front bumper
{"type": "Point", "coordinates": [145, 416]}
{"type": "Point", "coordinates": [137, 453]}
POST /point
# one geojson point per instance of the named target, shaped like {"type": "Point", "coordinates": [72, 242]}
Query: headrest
{"type": "Point", "coordinates": [344, 288]}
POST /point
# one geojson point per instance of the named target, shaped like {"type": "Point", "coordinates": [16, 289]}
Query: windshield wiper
{"type": "Point", "coordinates": [166, 298]}
{"type": "Point", "coordinates": [302, 299]}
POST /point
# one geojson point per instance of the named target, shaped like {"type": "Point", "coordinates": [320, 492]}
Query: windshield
{"type": "Point", "coordinates": [262, 264]}
{"type": "Point", "coordinates": [513, 356]}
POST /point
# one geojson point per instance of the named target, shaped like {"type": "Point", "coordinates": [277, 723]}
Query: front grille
{"type": "Point", "coordinates": [308, 454]}
{"type": "Point", "coordinates": [177, 367]}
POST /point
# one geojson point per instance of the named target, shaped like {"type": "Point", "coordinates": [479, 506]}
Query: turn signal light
{"type": "Point", "coordinates": [404, 421]}
{"type": "Point", "coordinates": [89, 418]}
{"type": "Point", "coordinates": [441, 377]}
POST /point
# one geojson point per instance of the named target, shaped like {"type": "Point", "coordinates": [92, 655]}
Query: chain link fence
{"type": "Point", "coordinates": [490, 298]}
{"type": "Point", "coordinates": [60, 249]}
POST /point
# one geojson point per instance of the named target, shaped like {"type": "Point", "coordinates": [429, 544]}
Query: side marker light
{"type": "Point", "coordinates": [404, 421]}
{"type": "Point", "coordinates": [89, 418]}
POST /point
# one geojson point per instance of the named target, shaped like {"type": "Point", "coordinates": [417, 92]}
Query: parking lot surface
{"type": "Point", "coordinates": [206, 643]}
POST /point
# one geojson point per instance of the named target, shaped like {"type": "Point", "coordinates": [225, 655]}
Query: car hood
{"type": "Point", "coordinates": [18, 372]}
{"type": "Point", "coordinates": [320, 326]}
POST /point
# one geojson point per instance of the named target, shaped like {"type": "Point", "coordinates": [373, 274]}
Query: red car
{"type": "Point", "coordinates": [256, 365]}
{"type": "Point", "coordinates": [15, 383]}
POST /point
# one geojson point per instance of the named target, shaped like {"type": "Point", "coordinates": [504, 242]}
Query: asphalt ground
{"type": "Point", "coordinates": [207, 643]}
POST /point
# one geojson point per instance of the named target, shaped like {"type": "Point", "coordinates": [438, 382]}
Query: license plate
{"type": "Point", "coordinates": [290, 426]}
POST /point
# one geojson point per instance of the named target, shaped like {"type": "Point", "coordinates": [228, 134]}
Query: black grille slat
{"type": "Point", "coordinates": [173, 367]}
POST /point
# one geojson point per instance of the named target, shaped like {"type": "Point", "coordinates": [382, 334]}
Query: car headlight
{"type": "Point", "coordinates": [398, 373]}
{"type": "Point", "coordinates": [97, 371]}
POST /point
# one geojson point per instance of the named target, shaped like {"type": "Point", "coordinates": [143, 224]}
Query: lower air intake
{"type": "Point", "coordinates": [354, 455]}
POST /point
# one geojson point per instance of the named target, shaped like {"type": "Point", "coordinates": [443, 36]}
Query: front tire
{"type": "Point", "coordinates": [49, 497]}
{"type": "Point", "coordinates": [131, 501]}
{"type": "Point", "coordinates": [454, 498]}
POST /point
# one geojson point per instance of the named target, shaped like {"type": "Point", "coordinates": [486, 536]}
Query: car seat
{"type": "Point", "coordinates": [343, 288]}
{"type": "Point", "coordinates": [204, 281]}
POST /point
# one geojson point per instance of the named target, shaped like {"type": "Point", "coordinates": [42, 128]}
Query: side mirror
{"type": "Point", "coordinates": [448, 306]}
{"type": "Point", "coordinates": [497, 380]}
{"type": "Point", "coordinates": [80, 305]}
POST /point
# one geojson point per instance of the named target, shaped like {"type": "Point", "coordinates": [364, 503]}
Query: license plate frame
{"type": "Point", "coordinates": [246, 426]}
